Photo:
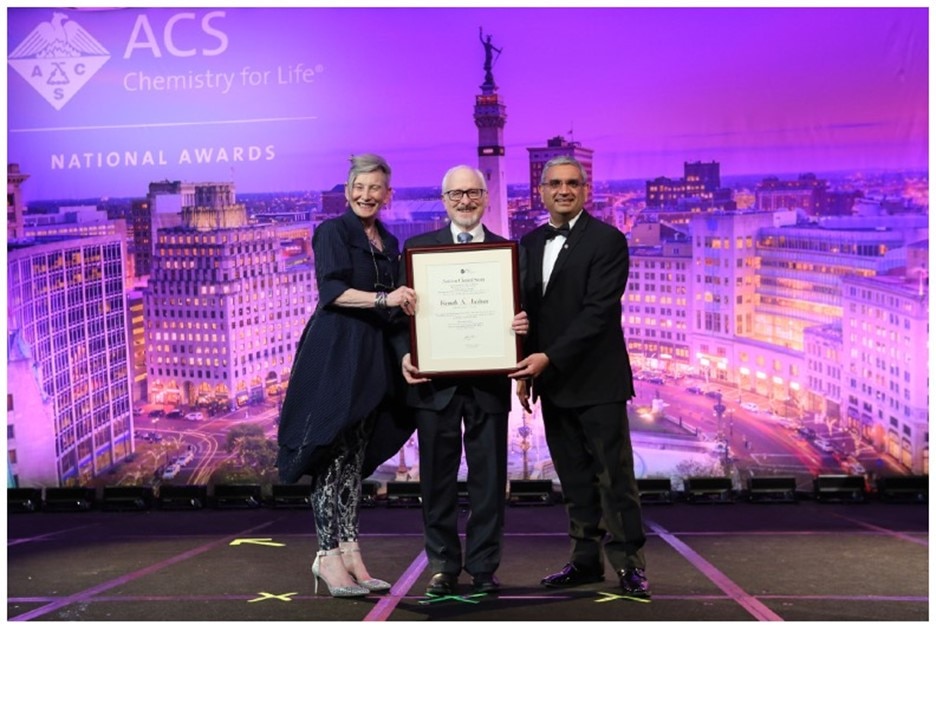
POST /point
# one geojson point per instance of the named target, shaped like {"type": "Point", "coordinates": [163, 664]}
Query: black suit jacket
{"type": "Point", "coordinates": [577, 322]}
{"type": "Point", "coordinates": [491, 391]}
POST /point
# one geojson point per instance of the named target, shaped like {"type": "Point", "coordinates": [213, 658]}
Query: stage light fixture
{"type": "Point", "coordinates": [123, 499]}
{"type": "Point", "coordinates": [24, 499]}
{"type": "Point", "coordinates": [403, 494]}
{"type": "Point", "coordinates": [370, 490]}
{"type": "Point", "coordinates": [69, 499]}
{"type": "Point", "coordinates": [240, 497]}
{"type": "Point", "coordinates": [771, 489]}
{"type": "Point", "coordinates": [291, 496]}
{"type": "Point", "coordinates": [910, 488]}
{"type": "Point", "coordinates": [839, 488]}
{"type": "Point", "coordinates": [183, 497]}
{"type": "Point", "coordinates": [708, 489]}
{"type": "Point", "coordinates": [655, 490]}
{"type": "Point", "coordinates": [530, 492]}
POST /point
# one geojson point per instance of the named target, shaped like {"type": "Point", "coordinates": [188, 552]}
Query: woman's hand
{"type": "Point", "coordinates": [404, 297]}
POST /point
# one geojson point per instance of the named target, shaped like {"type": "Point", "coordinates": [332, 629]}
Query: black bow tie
{"type": "Point", "coordinates": [552, 231]}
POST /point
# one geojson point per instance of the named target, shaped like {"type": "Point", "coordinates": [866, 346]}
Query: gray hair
{"type": "Point", "coordinates": [563, 161]}
{"type": "Point", "coordinates": [368, 163]}
{"type": "Point", "coordinates": [451, 171]}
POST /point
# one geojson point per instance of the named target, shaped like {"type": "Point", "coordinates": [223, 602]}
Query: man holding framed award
{"type": "Point", "coordinates": [464, 342]}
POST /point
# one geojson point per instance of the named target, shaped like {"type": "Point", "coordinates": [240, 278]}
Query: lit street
{"type": "Point", "coordinates": [758, 442]}
{"type": "Point", "coordinates": [205, 438]}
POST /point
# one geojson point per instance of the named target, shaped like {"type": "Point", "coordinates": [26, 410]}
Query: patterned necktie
{"type": "Point", "coordinates": [464, 237]}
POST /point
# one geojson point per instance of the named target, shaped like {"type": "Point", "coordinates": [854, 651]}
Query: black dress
{"type": "Point", "coordinates": [345, 367]}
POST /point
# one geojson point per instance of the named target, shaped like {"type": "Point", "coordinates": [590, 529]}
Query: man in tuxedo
{"type": "Point", "coordinates": [577, 365]}
{"type": "Point", "coordinates": [443, 404]}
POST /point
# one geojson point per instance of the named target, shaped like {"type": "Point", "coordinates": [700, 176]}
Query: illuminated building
{"type": "Point", "coordinates": [655, 304]}
{"type": "Point", "coordinates": [15, 206]}
{"type": "Point", "coordinates": [162, 208]}
{"type": "Point", "coordinates": [68, 404]}
{"type": "Point", "coordinates": [825, 364]}
{"type": "Point", "coordinates": [223, 312]}
{"type": "Point", "coordinates": [698, 190]}
{"type": "Point", "coordinates": [408, 218]}
{"type": "Point", "coordinates": [334, 202]}
{"type": "Point", "coordinates": [800, 269]}
{"type": "Point", "coordinates": [885, 330]}
{"type": "Point", "coordinates": [137, 332]}
{"type": "Point", "coordinates": [818, 319]}
{"type": "Point", "coordinates": [807, 193]}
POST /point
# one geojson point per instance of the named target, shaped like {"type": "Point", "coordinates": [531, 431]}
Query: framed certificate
{"type": "Point", "coordinates": [467, 297]}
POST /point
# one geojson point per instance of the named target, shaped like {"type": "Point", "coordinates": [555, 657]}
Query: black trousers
{"type": "Point", "coordinates": [440, 448]}
{"type": "Point", "coordinates": [591, 450]}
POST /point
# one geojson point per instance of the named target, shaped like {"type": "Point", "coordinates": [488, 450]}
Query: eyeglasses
{"type": "Point", "coordinates": [555, 183]}
{"type": "Point", "coordinates": [382, 282]}
{"type": "Point", "coordinates": [456, 195]}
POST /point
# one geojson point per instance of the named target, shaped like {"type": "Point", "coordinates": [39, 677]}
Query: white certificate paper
{"type": "Point", "coordinates": [467, 299]}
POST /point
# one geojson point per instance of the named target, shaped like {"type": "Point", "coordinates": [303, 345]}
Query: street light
{"type": "Point", "coordinates": [525, 431]}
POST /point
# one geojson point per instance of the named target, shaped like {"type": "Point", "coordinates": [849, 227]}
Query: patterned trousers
{"type": "Point", "coordinates": [336, 490]}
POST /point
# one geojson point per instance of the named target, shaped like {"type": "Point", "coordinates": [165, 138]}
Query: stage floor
{"type": "Point", "coordinates": [705, 562]}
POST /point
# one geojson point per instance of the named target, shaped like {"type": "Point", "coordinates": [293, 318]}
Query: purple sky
{"type": "Point", "coordinates": [760, 90]}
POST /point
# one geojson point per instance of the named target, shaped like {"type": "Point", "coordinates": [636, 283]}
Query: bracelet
{"type": "Point", "coordinates": [380, 300]}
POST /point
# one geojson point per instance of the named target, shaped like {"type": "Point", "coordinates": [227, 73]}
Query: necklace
{"type": "Point", "coordinates": [374, 237]}
{"type": "Point", "coordinates": [378, 285]}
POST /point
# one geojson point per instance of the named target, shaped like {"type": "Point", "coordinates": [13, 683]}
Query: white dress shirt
{"type": "Point", "coordinates": [552, 249]}
{"type": "Point", "coordinates": [477, 233]}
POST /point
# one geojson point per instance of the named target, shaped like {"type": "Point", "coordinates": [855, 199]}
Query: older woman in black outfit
{"type": "Point", "coordinates": [340, 418]}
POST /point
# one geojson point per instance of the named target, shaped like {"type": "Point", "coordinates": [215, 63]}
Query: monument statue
{"type": "Point", "coordinates": [489, 58]}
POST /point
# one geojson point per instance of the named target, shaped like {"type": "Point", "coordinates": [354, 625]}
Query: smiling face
{"type": "Point", "coordinates": [564, 192]}
{"type": "Point", "coordinates": [367, 194]}
{"type": "Point", "coordinates": [466, 212]}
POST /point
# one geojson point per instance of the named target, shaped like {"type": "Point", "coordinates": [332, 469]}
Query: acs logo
{"type": "Point", "coordinates": [57, 58]}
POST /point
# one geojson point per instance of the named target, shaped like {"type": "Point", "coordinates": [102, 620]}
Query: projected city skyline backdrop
{"type": "Point", "coordinates": [276, 101]}
{"type": "Point", "coordinates": [758, 303]}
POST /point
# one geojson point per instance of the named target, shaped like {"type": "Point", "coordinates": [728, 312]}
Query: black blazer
{"type": "Point", "coordinates": [492, 391]}
{"type": "Point", "coordinates": [577, 322]}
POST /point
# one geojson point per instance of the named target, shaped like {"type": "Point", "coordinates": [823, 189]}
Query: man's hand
{"type": "Point", "coordinates": [410, 373]}
{"type": "Point", "coordinates": [520, 324]}
{"type": "Point", "coordinates": [532, 366]}
{"type": "Point", "coordinates": [523, 394]}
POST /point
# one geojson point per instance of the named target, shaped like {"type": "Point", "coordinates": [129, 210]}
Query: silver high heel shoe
{"type": "Point", "coordinates": [372, 583]}
{"type": "Point", "coordinates": [341, 591]}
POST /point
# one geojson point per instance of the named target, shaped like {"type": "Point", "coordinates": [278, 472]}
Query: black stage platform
{"type": "Point", "coordinates": [741, 561]}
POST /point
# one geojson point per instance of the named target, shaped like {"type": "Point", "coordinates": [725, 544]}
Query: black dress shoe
{"type": "Point", "coordinates": [570, 576]}
{"type": "Point", "coordinates": [485, 582]}
{"type": "Point", "coordinates": [442, 584]}
{"type": "Point", "coordinates": [634, 583]}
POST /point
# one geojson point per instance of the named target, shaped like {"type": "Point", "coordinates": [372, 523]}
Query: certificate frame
{"type": "Point", "coordinates": [467, 297]}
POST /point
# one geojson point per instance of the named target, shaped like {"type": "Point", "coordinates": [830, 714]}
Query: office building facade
{"type": "Point", "coordinates": [223, 313]}
{"type": "Point", "coordinates": [68, 404]}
